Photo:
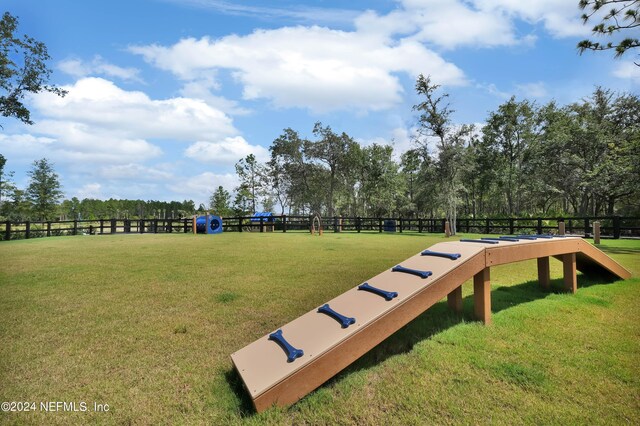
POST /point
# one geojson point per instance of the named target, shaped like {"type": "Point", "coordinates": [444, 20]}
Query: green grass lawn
{"type": "Point", "coordinates": [146, 324]}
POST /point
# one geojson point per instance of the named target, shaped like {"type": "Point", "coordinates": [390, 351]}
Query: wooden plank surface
{"type": "Point", "coordinates": [262, 364]}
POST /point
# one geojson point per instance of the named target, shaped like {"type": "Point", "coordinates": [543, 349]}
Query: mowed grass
{"type": "Point", "coordinates": [146, 324]}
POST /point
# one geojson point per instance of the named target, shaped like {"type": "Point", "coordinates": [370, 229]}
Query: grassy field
{"type": "Point", "coordinates": [146, 324]}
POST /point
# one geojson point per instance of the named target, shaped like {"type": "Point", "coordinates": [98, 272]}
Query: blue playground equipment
{"type": "Point", "coordinates": [209, 224]}
{"type": "Point", "coordinates": [267, 217]}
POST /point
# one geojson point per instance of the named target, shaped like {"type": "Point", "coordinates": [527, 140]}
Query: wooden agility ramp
{"type": "Point", "coordinates": [284, 366]}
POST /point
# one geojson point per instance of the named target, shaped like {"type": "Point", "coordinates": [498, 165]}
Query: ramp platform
{"type": "Point", "coordinates": [285, 365]}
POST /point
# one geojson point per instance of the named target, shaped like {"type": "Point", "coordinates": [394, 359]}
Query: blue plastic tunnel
{"type": "Point", "coordinates": [214, 225]}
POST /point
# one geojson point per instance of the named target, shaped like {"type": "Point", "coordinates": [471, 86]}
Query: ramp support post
{"type": "Point", "coordinates": [569, 269]}
{"type": "Point", "coordinates": [482, 296]}
{"type": "Point", "coordinates": [454, 300]}
{"type": "Point", "coordinates": [544, 276]}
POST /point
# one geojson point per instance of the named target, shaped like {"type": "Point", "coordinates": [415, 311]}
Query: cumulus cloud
{"type": "Point", "coordinates": [479, 23]}
{"type": "Point", "coordinates": [24, 147]}
{"type": "Point", "coordinates": [628, 70]}
{"type": "Point", "coordinates": [533, 90]}
{"type": "Point", "coordinates": [134, 172]}
{"type": "Point", "coordinates": [225, 152]}
{"type": "Point", "coordinates": [90, 190]}
{"type": "Point", "coordinates": [561, 18]}
{"type": "Point", "coordinates": [400, 138]}
{"type": "Point", "coordinates": [444, 23]}
{"type": "Point", "coordinates": [100, 104]}
{"type": "Point", "coordinates": [200, 186]}
{"type": "Point", "coordinates": [308, 67]}
{"type": "Point", "coordinates": [324, 69]}
{"type": "Point", "coordinates": [98, 66]}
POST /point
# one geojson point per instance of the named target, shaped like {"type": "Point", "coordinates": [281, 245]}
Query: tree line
{"type": "Point", "coordinates": [526, 159]}
{"type": "Point", "coordinates": [581, 159]}
{"type": "Point", "coordinates": [42, 200]}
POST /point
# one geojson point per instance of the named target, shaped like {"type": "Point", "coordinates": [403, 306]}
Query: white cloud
{"type": "Point", "coordinates": [225, 152]}
{"type": "Point", "coordinates": [400, 138]}
{"type": "Point", "coordinates": [561, 18]}
{"type": "Point", "coordinates": [200, 187]}
{"type": "Point", "coordinates": [203, 88]}
{"type": "Point", "coordinates": [445, 23]}
{"type": "Point", "coordinates": [477, 23]}
{"type": "Point", "coordinates": [24, 147]}
{"type": "Point", "coordinates": [627, 70]}
{"type": "Point", "coordinates": [135, 172]}
{"type": "Point", "coordinates": [90, 190]}
{"type": "Point", "coordinates": [298, 13]}
{"type": "Point", "coordinates": [492, 89]}
{"type": "Point", "coordinates": [533, 90]}
{"type": "Point", "coordinates": [98, 66]}
{"type": "Point", "coordinates": [308, 67]}
{"type": "Point", "coordinates": [324, 69]}
{"type": "Point", "coordinates": [100, 104]}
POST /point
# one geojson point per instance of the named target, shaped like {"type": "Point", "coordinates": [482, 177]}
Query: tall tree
{"type": "Point", "coordinates": [285, 171]}
{"type": "Point", "coordinates": [510, 132]}
{"type": "Point", "coordinates": [251, 174]}
{"type": "Point", "coordinates": [435, 121]}
{"type": "Point", "coordinates": [380, 180]}
{"type": "Point", "coordinates": [220, 202]}
{"type": "Point", "coordinates": [622, 15]}
{"type": "Point", "coordinates": [332, 150]}
{"type": "Point", "coordinates": [44, 190]}
{"type": "Point", "coordinates": [7, 187]}
{"type": "Point", "coordinates": [23, 69]}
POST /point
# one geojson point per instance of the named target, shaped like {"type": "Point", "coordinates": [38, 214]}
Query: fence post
{"type": "Point", "coordinates": [419, 225]}
{"type": "Point", "coordinates": [487, 226]}
{"type": "Point", "coordinates": [586, 227]}
{"type": "Point", "coordinates": [7, 230]}
{"type": "Point", "coordinates": [239, 223]}
{"type": "Point", "coordinates": [141, 226]}
{"type": "Point", "coordinates": [113, 226]}
{"type": "Point", "coordinates": [284, 223]}
{"type": "Point", "coordinates": [511, 226]}
{"type": "Point", "coordinates": [261, 224]}
{"type": "Point", "coordinates": [27, 230]}
{"type": "Point", "coordinates": [155, 226]}
{"type": "Point", "coordinates": [561, 227]}
{"type": "Point", "coordinates": [358, 224]}
{"type": "Point", "coordinates": [102, 226]}
{"type": "Point", "coordinates": [48, 228]}
{"type": "Point", "coordinates": [616, 227]}
{"type": "Point", "coordinates": [75, 226]}
{"type": "Point", "coordinates": [171, 225]}
{"type": "Point", "coordinates": [539, 226]}
{"type": "Point", "coordinates": [400, 224]}
{"type": "Point", "coordinates": [380, 225]}
{"type": "Point", "coordinates": [596, 232]}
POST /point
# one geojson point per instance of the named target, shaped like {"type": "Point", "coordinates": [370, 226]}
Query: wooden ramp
{"type": "Point", "coordinates": [284, 366]}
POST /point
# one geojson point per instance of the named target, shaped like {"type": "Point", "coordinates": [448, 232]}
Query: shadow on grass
{"type": "Point", "coordinates": [245, 405]}
{"type": "Point", "coordinates": [618, 250]}
{"type": "Point", "coordinates": [436, 319]}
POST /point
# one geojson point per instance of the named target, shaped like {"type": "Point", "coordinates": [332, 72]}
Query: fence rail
{"type": "Point", "coordinates": [610, 226]}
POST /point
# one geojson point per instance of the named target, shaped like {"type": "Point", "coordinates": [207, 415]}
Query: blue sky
{"type": "Point", "coordinates": [166, 95]}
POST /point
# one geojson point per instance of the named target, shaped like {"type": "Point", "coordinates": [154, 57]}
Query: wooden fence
{"type": "Point", "coordinates": [610, 226]}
